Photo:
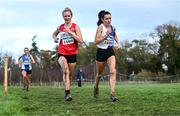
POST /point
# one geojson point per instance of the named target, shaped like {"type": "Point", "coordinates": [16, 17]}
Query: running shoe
{"type": "Point", "coordinates": [68, 97]}
{"type": "Point", "coordinates": [114, 98]}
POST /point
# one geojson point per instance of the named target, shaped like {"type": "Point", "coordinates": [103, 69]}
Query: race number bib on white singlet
{"type": "Point", "coordinates": [66, 38]}
{"type": "Point", "coordinates": [109, 41]}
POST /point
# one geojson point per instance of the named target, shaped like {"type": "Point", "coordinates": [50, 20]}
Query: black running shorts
{"type": "Point", "coordinates": [103, 54]}
{"type": "Point", "coordinates": [69, 58]}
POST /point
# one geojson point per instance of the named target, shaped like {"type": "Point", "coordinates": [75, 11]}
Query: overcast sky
{"type": "Point", "coordinates": [20, 20]}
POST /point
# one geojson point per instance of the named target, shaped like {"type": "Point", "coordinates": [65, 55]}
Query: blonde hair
{"type": "Point", "coordinates": [67, 10]}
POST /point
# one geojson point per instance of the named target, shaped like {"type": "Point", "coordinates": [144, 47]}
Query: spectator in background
{"type": "Point", "coordinates": [80, 77]}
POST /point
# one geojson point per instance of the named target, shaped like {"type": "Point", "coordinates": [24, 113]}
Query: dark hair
{"type": "Point", "coordinates": [67, 10]}
{"type": "Point", "coordinates": [26, 48]}
{"type": "Point", "coordinates": [101, 15]}
{"type": "Point", "coordinates": [105, 13]}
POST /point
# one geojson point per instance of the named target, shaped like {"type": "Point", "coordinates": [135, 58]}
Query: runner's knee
{"type": "Point", "coordinates": [99, 75]}
{"type": "Point", "coordinates": [66, 71]}
{"type": "Point", "coordinates": [113, 72]}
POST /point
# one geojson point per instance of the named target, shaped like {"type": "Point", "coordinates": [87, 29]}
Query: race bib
{"type": "Point", "coordinates": [67, 39]}
{"type": "Point", "coordinates": [109, 41]}
{"type": "Point", "coordinates": [26, 63]}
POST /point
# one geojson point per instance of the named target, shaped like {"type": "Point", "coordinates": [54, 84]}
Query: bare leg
{"type": "Point", "coordinates": [66, 77]}
{"type": "Point", "coordinates": [100, 66]}
{"type": "Point", "coordinates": [112, 64]}
{"type": "Point", "coordinates": [71, 70]}
{"type": "Point", "coordinates": [24, 74]}
{"type": "Point", "coordinates": [64, 65]}
{"type": "Point", "coordinates": [28, 81]}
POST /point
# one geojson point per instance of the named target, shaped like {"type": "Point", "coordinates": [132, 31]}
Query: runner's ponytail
{"type": "Point", "coordinates": [100, 14]}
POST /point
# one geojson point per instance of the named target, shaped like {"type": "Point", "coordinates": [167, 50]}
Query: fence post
{"type": "Point", "coordinates": [5, 75]}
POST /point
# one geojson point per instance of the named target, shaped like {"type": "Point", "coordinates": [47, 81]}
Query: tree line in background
{"type": "Point", "coordinates": [136, 60]}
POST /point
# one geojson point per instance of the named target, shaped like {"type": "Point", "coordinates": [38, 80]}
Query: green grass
{"type": "Point", "coordinates": [135, 99]}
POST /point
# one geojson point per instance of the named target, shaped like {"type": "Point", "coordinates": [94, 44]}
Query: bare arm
{"type": "Point", "coordinates": [98, 37]}
{"type": "Point", "coordinates": [116, 38]}
{"type": "Point", "coordinates": [56, 32]}
{"type": "Point", "coordinates": [19, 58]}
{"type": "Point", "coordinates": [117, 46]}
{"type": "Point", "coordinates": [32, 59]}
{"type": "Point", "coordinates": [19, 63]}
{"type": "Point", "coordinates": [76, 35]}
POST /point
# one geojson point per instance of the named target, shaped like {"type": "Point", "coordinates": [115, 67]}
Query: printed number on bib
{"type": "Point", "coordinates": [109, 42]}
{"type": "Point", "coordinates": [67, 39]}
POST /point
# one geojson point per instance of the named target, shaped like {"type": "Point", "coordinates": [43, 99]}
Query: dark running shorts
{"type": "Point", "coordinates": [27, 71]}
{"type": "Point", "coordinates": [103, 54]}
{"type": "Point", "coordinates": [69, 58]}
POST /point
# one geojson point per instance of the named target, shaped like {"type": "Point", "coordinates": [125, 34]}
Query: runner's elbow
{"type": "Point", "coordinates": [80, 41]}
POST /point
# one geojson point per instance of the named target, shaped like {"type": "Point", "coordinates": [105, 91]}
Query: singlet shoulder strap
{"type": "Point", "coordinates": [23, 57]}
{"type": "Point", "coordinates": [103, 26]}
{"type": "Point", "coordinates": [61, 27]}
{"type": "Point", "coordinates": [113, 28]}
{"type": "Point", "coordinates": [74, 25]}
